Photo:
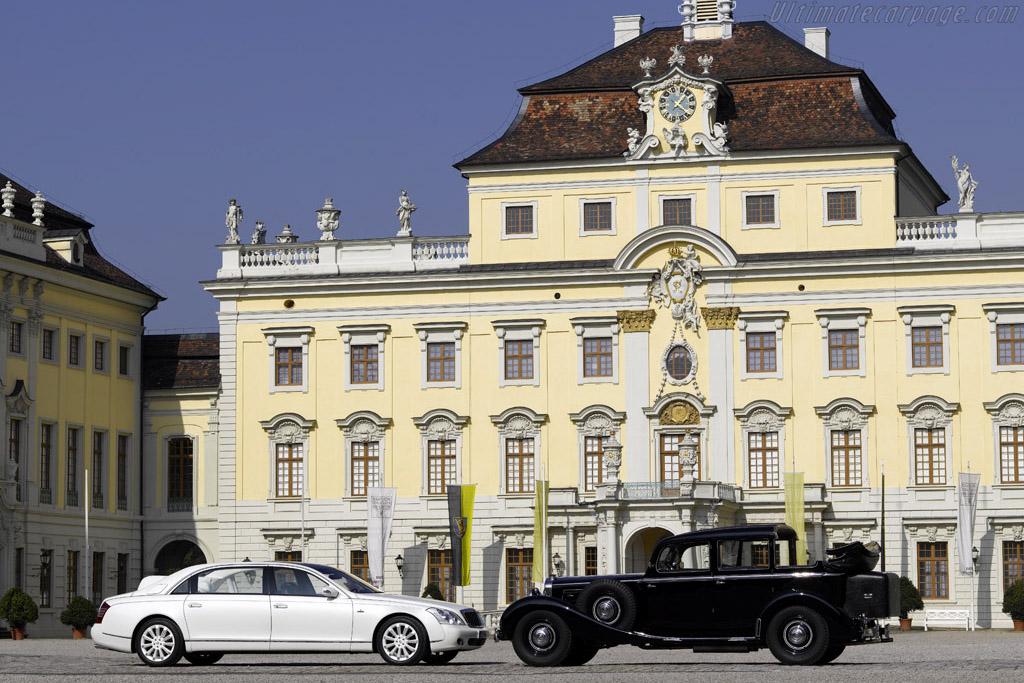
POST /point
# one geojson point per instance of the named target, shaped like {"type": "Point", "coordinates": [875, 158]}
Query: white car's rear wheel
{"type": "Point", "coordinates": [158, 643]}
{"type": "Point", "coordinates": [402, 641]}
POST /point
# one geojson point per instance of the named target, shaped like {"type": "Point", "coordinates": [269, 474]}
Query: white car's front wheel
{"type": "Point", "coordinates": [158, 643]}
{"type": "Point", "coordinates": [402, 641]}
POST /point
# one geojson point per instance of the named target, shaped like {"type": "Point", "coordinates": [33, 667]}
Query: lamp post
{"type": "Point", "coordinates": [975, 554]}
{"type": "Point", "coordinates": [399, 563]}
{"type": "Point", "coordinates": [557, 564]}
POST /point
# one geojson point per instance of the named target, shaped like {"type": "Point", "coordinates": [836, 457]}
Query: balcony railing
{"type": "Point", "coordinates": [961, 231]}
{"type": "Point", "coordinates": [179, 504]}
{"type": "Point", "coordinates": [122, 502]}
{"type": "Point", "coordinates": [45, 496]}
{"type": "Point", "coordinates": [650, 490]}
{"type": "Point", "coordinates": [665, 490]}
{"type": "Point", "coordinates": [97, 500]}
{"type": "Point", "coordinates": [71, 499]}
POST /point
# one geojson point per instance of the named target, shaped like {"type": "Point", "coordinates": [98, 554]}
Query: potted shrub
{"type": "Point", "coordinates": [79, 615]}
{"type": "Point", "coordinates": [18, 609]}
{"type": "Point", "coordinates": [432, 591]}
{"type": "Point", "coordinates": [1013, 604]}
{"type": "Point", "coordinates": [910, 600]}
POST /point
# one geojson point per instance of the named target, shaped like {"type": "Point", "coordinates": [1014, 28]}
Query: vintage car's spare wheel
{"type": "Point", "coordinates": [542, 638]}
{"type": "Point", "coordinates": [798, 635]}
{"type": "Point", "coordinates": [609, 602]}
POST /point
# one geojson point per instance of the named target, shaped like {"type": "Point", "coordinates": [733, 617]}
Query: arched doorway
{"type": "Point", "coordinates": [178, 555]}
{"type": "Point", "coordinates": [640, 546]}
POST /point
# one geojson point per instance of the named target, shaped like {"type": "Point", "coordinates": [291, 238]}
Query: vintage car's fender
{"type": "Point", "coordinates": [837, 618]}
{"type": "Point", "coordinates": [582, 625]}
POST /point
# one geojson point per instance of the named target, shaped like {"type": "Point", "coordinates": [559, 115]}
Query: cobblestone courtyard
{"type": "Point", "coordinates": [916, 656]}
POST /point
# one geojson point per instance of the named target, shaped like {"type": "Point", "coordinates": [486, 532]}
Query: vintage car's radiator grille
{"type": "Point", "coordinates": [472, 618]}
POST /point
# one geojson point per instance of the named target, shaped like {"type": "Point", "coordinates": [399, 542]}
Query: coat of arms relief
{"type": "Point", "coordinates": [674, 287]}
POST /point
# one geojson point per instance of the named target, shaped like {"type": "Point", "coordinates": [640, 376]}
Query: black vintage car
{"type": "Point", "coordinates": [721, 590]}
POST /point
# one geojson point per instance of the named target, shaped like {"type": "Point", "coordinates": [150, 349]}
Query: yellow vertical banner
{"type": "Point", "coordinates": [540, 532]}
{"type": "Point", "coordinates": [468, 495]}
{"type": "Point", "coordinates": [794, 483]}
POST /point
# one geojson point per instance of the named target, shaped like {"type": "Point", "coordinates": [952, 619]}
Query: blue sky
{"type": "Point", "coordinates": [147, 117]}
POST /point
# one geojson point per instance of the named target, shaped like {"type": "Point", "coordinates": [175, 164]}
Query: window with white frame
{"type": "Point", "coordinates": [843, 341]}
{"type": "Point", "coordinates": [597, 349]}
{"type": "Point", "coordinates": [761, 341]}
{"type": "Point", "coordinates": [519, 351]}
{"type": "Point", "coordinates": [597, 217]}
{"type": "Point", "coordinates": [840, 205]}
{"type": "Point", "coordinates": [288, 441]}
{"type": "Point", "coordinates": [929, 423]}
{"type": "Point", "coordinates": [364, 356]}
{"type": "Point", "coordinates": [1006, 334]}
{"type": "Point", "coordinates": [441, 448]}
{"type": "Point", "coordinates": [927, 338]}
{"type": "Point", "coordinates": [364, 438]}
{"type": "Point", "coordinates": [518, 220]}
{"type": "Point", "coordinates": [760, 209]}
{"type": "Point", "coordinates": [288, 349]}
{"type": "Point", "coordinates": [519, 445]}
{"type": "Point", "coordinates": [1008, 436]}
{"type": "Point", "coordinates": [676, 209]}
{"type": "Point", "coordinates": [845, 421]}
{"type": "Point", "coordinates": [440, 354]}
{"type": "Point", "coordinates": [763, 424]}
{"type": "Point", "coordinates": [594, 426]}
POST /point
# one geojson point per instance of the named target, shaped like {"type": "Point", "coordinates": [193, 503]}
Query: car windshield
{"type": "Point", "coordinates": [351, 583]}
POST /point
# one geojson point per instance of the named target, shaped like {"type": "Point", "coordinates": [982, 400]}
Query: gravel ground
{"type": "Point", "coordinates": [916, 656]}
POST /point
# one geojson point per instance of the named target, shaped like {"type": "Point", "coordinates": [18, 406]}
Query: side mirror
{"type": "Point", "coordinates": [330, 593]}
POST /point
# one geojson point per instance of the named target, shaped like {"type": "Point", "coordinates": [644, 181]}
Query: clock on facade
{"type": "Point", "coordinates": [677, 103]}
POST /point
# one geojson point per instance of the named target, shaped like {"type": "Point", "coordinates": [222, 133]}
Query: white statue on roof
{"type": "Point", "coordinates": [404, 213]}
{"type": "Point", "coordinates": [233, 219]}
{"type": "Point", "coordinates": [965, 185]}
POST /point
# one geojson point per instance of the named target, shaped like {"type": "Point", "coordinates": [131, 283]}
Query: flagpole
{"type": "Point", "coordinates": [974, 569]}
{"type": "Point", "coordinates": [882, 465]}
{"type": "Point", "coordinates": [88, 504]}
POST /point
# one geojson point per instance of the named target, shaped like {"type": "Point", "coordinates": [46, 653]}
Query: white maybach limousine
{"type": "Point", "coordinates": [202, 612]}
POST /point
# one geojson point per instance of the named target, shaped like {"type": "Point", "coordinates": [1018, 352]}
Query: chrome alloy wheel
{"type": "Point", "coordinates": [797, 635]}
{"type": "Point", "coordinates": [542, 637]}
{"type": "Point", "coordinates": [607, 609]}
{"type": "Point", "coordinates": [400, 641]}
{"type": "Point", "coordinates": [157, 642]}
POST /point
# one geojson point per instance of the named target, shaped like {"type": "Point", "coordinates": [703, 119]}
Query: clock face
{"type": "Point", "coordinates": [677, 103]}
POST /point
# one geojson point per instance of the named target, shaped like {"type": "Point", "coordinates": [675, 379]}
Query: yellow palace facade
{"type": "Point", "coordinates": [694, 263]}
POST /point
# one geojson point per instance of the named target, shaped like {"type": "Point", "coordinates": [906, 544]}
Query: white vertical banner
{"type": "Point", "coordinates": [967, 509]}
{"type": "Point", "coordinates": [380, 511]}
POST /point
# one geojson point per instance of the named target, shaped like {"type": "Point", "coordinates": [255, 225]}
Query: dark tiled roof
{"type": "Point", "coordinates": [181, 361]}
{"type": "Point", "coordinates": [780, 96]}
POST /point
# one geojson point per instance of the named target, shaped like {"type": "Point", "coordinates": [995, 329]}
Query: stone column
{"type": "Point", "coordinates": [721, 427]}
{"type": "Point", "coordinates": [636, 328]}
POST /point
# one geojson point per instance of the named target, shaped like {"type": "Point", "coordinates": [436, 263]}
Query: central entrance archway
{"type": "Point", "coordinates": [178, 555]}
{"type": "Point", "coordinates": [640, 546]}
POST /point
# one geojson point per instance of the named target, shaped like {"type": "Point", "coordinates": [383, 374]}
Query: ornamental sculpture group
{"type": "Point", "coordinates": [327, 222]}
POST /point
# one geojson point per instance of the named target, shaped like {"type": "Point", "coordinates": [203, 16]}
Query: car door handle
{"type": "Point", "coordinates": [719, 582]}
{"type": "Point", "coordinates": [652, 585]}
{"type": "Point", "coordinates": [278, 605]}
{"type": "Point", "coordinates": [195, 604]}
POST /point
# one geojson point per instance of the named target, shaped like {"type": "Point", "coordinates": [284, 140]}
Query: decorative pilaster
{"type": "Point", "coordinates": [720, 318]}
{"type": "Point", "coordinates": [636, 374]}
{"type": "Point", "coordinates": [636, 321]}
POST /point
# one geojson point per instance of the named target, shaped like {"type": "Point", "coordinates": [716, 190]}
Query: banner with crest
{"type": "Point", "coordinates": [460, 525]}
{"type": "Point", "coordinates": [380, 512]}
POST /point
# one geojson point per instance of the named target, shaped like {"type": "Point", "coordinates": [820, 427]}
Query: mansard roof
{"type": "Point", "coordinates": [780, 95]}
{"type": "Point", "coordinates": [181, 361]}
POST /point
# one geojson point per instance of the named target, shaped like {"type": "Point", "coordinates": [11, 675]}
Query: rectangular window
{"type": "Point", "coordinates": [122, 471]}
{"type": "Point", "coordinates": [124, 356]}
{"type": "Point", "coordinates": [1011, 455]}
{"type": "Point", "coordinates": [359, 564]}
{"type": "Point", "coordinates": [72, 578]}
{"type": "Point", "coordinates": [48, 345]}
{"type": "Point", "coordinates": [439, 572]}
{"type": "Point", "coordinates": [289, 470]}
{"type": "Point", "coordinates": [1013, 562]}
{"type": "Point", "coordinates": [518, 220]}
{"type": "Point", "coordinates": [19, 559]}
{"type": "Point", "coordinates": [98, 567]}
{"type": "Point", "coordinates": [99, 362]}
{"type": "Point", "coordinates": [930, 457]}
{"type": "Point", "coordinates": [519, 359]}
{"type": "Point", "coordinates": [590, 561]}
{"type": "Point", "coordinates": [760, 209]}
{"type": "Point", "coordinates": [364, 364]}
{"type": "Point", "coordinates": [926, 345]}
{"type": "Point", "coordinates": [593, 462]}
{"type": "Point", "coordinates": [440, 466]}
{"type": "Point", "coordinates": [179, 474]}
{"type": "Point", "coordinates": [441, 362]}
{"type": "Point", "coordinates": [96, 476]}
{"type": "Point", "coordinates": [518, 573]}
{"type": "Point", "coordinates": [365, 467]}
{"type": "Point", "coordinates": [72, 482]}
{"type": "Point", "coordinates": [45, 461]}
{"type": "Point", "coordinates": [15, 336]}
{"type": "Point", "coordinates": [122, 573]}
{"type": "Point", "coordinates": [676, 212]}
{"type": "Point", "coordinates": [519, 464]}
{"type": "Point", "coordinates": [45, 578]}
{"type": "Point", "coordinates": [597, 357]}
{"type": "Point", "coordinates": [846, 457]}
{"type": "Point", "coordinates": [933, 570]}
{"type": "Point", "coordinates": [75, 350]}
{"type": "Point", "coordinates": [842, 205]}
{"type": "Point", "coordinates": [1010, 344]}
{"type": "Point", "coordinates": [671, 466]}
{"type": "Point", "coordinates": [288, 556]}
{"type": "Point", "coordinates": [760, 352]}
{"type": "Point", "coordinates": [288, 367]}
{"type": "Point", "coordinates": [597, 217]}
{"type": "Point", "coordinates": [843, 350]}
{"type": "Point", "coordinates": [14, 451]}
{"type": "Point", "coordinates": [763, 454]}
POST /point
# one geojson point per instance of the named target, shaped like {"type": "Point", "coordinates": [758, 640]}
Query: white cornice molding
{"type": "Point", "coordinates": [80, 284]}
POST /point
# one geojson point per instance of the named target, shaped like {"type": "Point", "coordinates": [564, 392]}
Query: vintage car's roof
{"type": "Point", "coordinates": [779, 531]}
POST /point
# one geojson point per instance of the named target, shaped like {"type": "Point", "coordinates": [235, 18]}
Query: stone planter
{"type": "Point", "coordinates": [905, 624]}
{"type": "Point", "coordinates": [77, 634]}
{"type": "Point", "coordinates": [1018, 624]}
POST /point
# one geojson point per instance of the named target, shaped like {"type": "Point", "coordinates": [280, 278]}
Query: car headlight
{"type": "Point", "coordinates": [547, 586]}
{"type": "Point", "coordinates": [446, 616]}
